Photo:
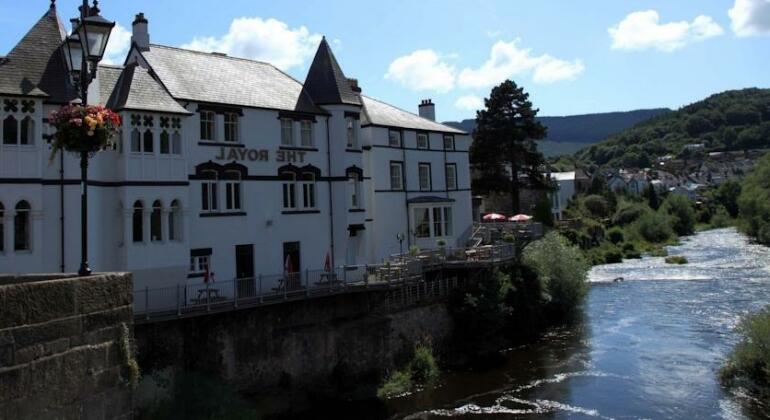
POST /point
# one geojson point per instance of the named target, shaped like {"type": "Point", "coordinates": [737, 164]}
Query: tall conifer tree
{"type": "Point", "coordinates": [504, 152]}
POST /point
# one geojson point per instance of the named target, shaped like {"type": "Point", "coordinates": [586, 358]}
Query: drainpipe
{"type": "Point", "coordinates": [406, 192]}
{"type": "Point", "coordinates": [61, 207]}
{"type": "Point", "coordinates": [329, 183]}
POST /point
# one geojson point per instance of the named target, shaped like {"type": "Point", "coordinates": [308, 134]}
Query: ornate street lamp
{"type": "Point", "coordinates": [85, 48]}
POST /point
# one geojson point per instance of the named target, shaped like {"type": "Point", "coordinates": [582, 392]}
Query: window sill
{"type": "Point", "coordinates": [354, 151]}
{"type": "Point", "coordinates": [220, 144]}
{"type": "Point", "coordinates": [224, 214]}
{"type": "Point", "coordinates": [301, 211]}
{"type": "Point", "coordinates": [300, 148]}
{"type": "Point", "coordinates": [356, 210]}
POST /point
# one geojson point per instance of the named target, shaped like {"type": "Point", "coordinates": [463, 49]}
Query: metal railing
{"type": "Point", "coordinates": [219, 296]}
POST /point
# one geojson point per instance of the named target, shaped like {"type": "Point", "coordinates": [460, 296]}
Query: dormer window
{"type": "Point", "coordinates": [394, 138]}
{"type": "Point", "coordinates": [231, 127]}
{"type": "Point", "coordinates": [422, 141]}
{"type": "Point", "coordinates": [208, 125]}
{"type": "Point", "coordinates": [287, 132]}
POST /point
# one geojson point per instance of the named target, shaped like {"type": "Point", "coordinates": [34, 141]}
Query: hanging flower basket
{"type": "Point", "coordinates": [83, 129]}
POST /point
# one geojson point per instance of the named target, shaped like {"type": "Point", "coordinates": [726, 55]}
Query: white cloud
{"type": "Point", "coordinates": [750, 17]}
{"type": "Point", "coordinates": [642, 30]}
{"type": "Point", "coordinates": [267, 40]}
{"type": "Point", "coordinates": [508, 59]}
{"type": "Point", "coordinates": [469, 103]}
{"type": "Point", "coordinates": [422, 70]}
{"type": "Point", "coordinates": [117, 45]}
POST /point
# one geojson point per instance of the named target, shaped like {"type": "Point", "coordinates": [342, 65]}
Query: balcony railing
{"type": "Point", "coordinates": [220, 296]}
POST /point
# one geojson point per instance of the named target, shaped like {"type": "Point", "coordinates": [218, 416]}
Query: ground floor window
{"type": "Point", "coordinates": [432, 222]}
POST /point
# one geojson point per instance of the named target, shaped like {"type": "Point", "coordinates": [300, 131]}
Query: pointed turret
{"type": "Point", "coordinates": [326, 84]}
{"type": "Point", "coordinates": [36, 65]}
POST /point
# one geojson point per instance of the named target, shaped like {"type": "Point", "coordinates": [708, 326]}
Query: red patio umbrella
{"type": "Point", "coordinates": [520, 218]}
{"type": "Point", "coordinates": [491, 217]}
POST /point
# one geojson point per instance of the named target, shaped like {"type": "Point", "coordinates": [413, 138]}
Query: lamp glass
{"type": "Point", "coordinates": [74, 53]}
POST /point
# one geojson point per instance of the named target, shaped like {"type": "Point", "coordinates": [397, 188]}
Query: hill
{"type": "Point", "coordinates": [731, 120]}
{"type": "Point", "coordinates": [568, 134]}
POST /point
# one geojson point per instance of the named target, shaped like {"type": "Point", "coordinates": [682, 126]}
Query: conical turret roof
{"type": "Point", "coordinates": [326, 83]}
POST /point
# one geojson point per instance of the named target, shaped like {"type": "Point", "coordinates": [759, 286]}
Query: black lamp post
{"type": "Point", "coordinates": [85, 49]}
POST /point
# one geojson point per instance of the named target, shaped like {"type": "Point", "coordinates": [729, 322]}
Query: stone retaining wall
{"type": "Point", "coordinates": [62, 346]}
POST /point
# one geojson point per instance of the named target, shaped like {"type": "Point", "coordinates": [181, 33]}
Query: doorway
{"type": "Point", "coordinates": [244, 270]}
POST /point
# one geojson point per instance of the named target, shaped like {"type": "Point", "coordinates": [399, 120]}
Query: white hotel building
{"type": "Point", "coordinates": [221, 161]}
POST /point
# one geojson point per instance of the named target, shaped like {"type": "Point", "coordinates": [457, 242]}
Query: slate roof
{"type": "Point", "coordinates": [326, 83]}
{"type": "Point", "coordinates": [36, 66]}
{"type": "Point", "coordinates": [380, 113]}
{"type": "Point", "coordinates": [206, 77]}
{"type": "Point", "coordinates": [133, 88]}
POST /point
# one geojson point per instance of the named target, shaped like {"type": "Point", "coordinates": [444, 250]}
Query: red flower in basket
{"type": "Point", "coordinates": [83, 129]}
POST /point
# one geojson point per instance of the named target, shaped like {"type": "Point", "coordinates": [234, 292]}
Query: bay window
{"type": "Point", "coordinates": [432, 222]}
{"type": "Point", "coordinates": [421, 223]}
{"type": "Point", "coordinates": [10, 130]}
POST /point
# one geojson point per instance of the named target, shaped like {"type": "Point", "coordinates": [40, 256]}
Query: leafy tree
{"type": "Point", "coordinates": [504, 151]}
{"type": "Point", "coordinates": [727, 195]}
{"type": "Point", "coordinates": [542, 212]}
{"type": "Point", "coordinates": [652, 197]}
{"type": "Point", "coordinates": [596, 205]}
{"type": "Point", "coordinates": [680, 209]}
{"type": "Point", "coordinates": [754, 202]}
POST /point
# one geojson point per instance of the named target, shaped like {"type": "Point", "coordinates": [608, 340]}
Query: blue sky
{"type": "Point", "coordinates": [573, 57]}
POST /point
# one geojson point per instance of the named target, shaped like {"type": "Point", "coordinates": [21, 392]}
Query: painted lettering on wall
{"type": "Point", "coordinates": [259, 155]}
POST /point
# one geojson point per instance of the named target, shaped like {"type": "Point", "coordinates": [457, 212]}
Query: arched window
{"type": "Point", "coordinates": [10, 130]}
{"type": "Point", "coordinates": [165, 143]}
{"type": "Point", "coordinates": [289, 190]}
{"type": "Point", "coordinates": [175, 221]}
{"type": "Point", "coordinates": [308, 190]}
{"type": "Point", "coordinates": [209, 201]}
{"type": "Point", "coordinates": [27, 131]}
{"type": "Point", "coordinates": [137, 221]}
{"type": "Point", "coordinates": [354, 185]}
{"type": "Point", "coordinates": [21, 227]}
{"type": "Point", "coordinates": [136, 141]}
{"type": "Point", "coordinates": [176, 143]}
{"type": "Point", "coordinates": [156, 232]}
{"type": "Point", "coordinates": [148, 141]}
{"type": "Point", "coordinates": [232, 190]}
{"type": "Point", "coordinates": [2, 228]}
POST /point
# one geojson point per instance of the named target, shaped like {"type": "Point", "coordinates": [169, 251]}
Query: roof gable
{"type": "Point", "coordinates": [326, 83]}
{"type": "Point", "coordinates": [36, 65]}
{"type": "Point", "coordinates": [136, 89]}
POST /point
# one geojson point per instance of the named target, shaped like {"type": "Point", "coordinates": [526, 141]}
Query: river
{"type": "Point", "coordinates": [647, 347]}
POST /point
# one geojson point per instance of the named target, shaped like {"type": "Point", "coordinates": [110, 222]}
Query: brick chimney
{"type": "Point", "coordinates": [427, 109]}
{"type": "Point", "coordinates": [139, 34]}
{"type": "Point", "coordinates": [354, 85]}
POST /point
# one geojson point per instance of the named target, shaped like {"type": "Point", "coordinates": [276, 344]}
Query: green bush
{"type": "Point", "coordinates": [682, 213]}
{"type": "Point", "coordinates": [399, 382]}
{"type": "Point", "coordinates": [615, 235]}
{"type": "Point", "coordinates": [596, 205]}
{"type": "Point", "coordinates": [629, 214]}
{"type": "Point", "coordinates": [721, 218]}
{"type": "Point", "coordinates": [561, 269]}
{"type": "Point", "coordinates": [654, 227]}
{"type": "Point", "coordinates": [748, 365]}
{"type": "Point", "coordinates": [676, 259]}
{"type": "Point", "coordinates": [423, 367]}
{"type": "Point", "coordinates": [754, 202]}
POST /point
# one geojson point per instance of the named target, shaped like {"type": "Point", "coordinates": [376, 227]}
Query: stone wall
{"type": "Point", "coordinates": [334, 346]}
{"type": "Point", "coordinates": [62, 346]}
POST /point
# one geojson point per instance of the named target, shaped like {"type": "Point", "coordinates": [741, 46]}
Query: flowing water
{"type": "Point", "coordinates": [647, 347]}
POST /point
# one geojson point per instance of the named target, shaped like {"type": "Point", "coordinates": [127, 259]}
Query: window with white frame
{"type": "Point", "coordinates": [136, 141]}
{"type": "Point", "coordinates": [354, 185]}
{"type": "Point", "coordinates": [156, 232]}
{"type": "Point", "coordinates": [422, 141]}
{"type": "Point", "coordinates": [175, 221]}
{"type": "Point", "coordinates": [350, 127]}
{"type": "Point", "coordinates": [289, 189]}
{"type": "Point", "coordinates": [451, 176]}
{"type": "Point", "coordinates": [306, 133]}
{"type": "Point", "coordinates": [27, 134]}
{"type": "Point", "coordinates": [287, 132]}
{"type": "Point", "coordinates": [176, 143]}
{"type": "Point", "coordinates": [421, 222]}
{"type": "Point", "coordinates": [21, 227]}
{"type": "Point", "coordinates": [394, 138]}
{"type": "Point", "coordinates": [208, 125]}
{"type": "Point", "coordinates": [199, 263]}
{"type": "Point", "coordinates": [10, 130]}
{"type": "Point", "coordinates": [396, 175]}
{"type": "Point", "coordinates": [423, 172]}
{"type": "Point", "coordinates": [148, 142]}
{"type": "Point", "coordinates": [231, 127]}
{"type": "Point", "coordinates": [448, 224]}
{"type": "Point", "coordinates": [232, 190]}
{"type": "Point", "coordinates": [209, 192]}
{"type": "Point", "coordinates": [308, 191]}
{"type": "Point", "coordinates": [449, 142]}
